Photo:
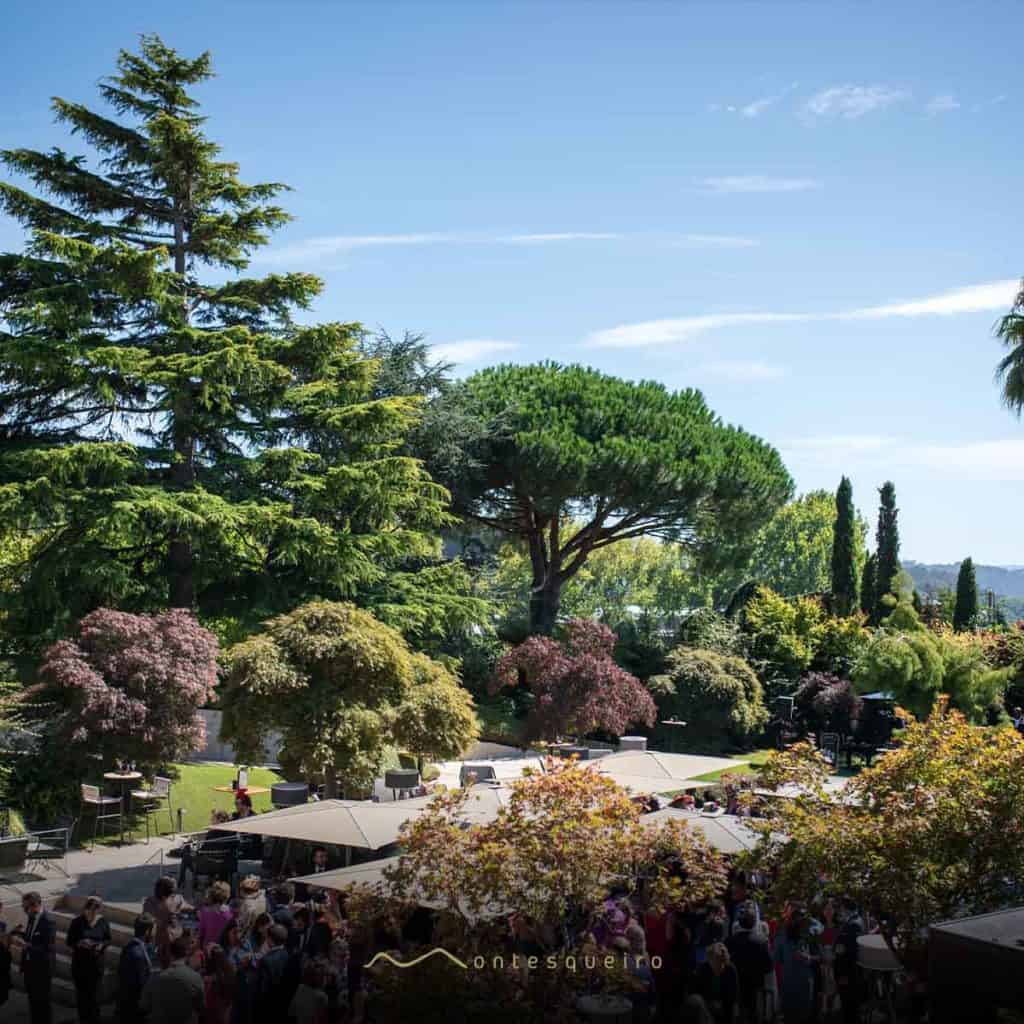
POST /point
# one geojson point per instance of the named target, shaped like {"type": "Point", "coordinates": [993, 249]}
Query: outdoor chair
{"type": "Point", "coordinates": [49, 847]}
{"type": "Point", "coordinates": [152, 802]}
{"type": "Point", "coordinates": [104, 808]}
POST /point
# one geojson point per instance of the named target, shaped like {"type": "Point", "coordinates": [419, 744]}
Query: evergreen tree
{"type": "Point", "coordinates": [887, 549]}
{"type": "Point", "coordinates": [170, 433]}
{"type": "Point", "coordinates": [844, 550]}
{"type": "Point", "coordinates": [867, 585]}
{"type": "Point", "coordinates": [965, 611]}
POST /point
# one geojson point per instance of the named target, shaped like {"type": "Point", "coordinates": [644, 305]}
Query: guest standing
{"type": "Point", "coordinates": [175, 995]}
{"type": "Point", "coordinates": [272, 989]}
{"type": "Point", "coordinates": [718, 984]}
{"type": "Point", "coordinates": [88, 938]}
{"type": "Point", "coordinates": [166, 906]}
{"type": "Point", "coordinates": [215, 915]}
{"type": "Point", "coordinates": [36, 940]}
{"type": "Point", "coordinates": [134, 969]}
{"type": "Point", "coordinates": [220, 984]}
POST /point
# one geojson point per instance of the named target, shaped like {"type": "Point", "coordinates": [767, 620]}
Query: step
{"type": "Point", "coordinates": [62, 992]}
{"type": "Point", "coordinates": [15, 1011]}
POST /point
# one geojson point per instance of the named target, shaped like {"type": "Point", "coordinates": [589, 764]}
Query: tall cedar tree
{"type": "Point", "coordinates": [577, 460]}
{"type": "Point", "coordinates": [965, 611]}
{"type": "Point", "coordinates": [887, 549]}
{"type": "Point", "coordinates": [867, 585]}
{"type": "Point", "coordinates": [844, 551]}
{"type": "Point", "coordinates": [170, 433]}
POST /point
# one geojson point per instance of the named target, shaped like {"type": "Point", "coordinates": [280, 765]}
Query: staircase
{"type": "Point", "coordinates": [122, 924]}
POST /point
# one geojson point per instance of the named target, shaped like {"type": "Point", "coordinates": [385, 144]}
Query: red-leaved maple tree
{"type": "Point", "coordinates": [576, 684]}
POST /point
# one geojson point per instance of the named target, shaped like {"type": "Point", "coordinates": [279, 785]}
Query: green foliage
{"type": "Point", "coordinates": [437, 719]}
{"type": "Point", "coordinates": [887, 550]}
{"type": "Point", "coordinates": [712, 631]}
{"type": "Point", "coordinates": [1010, 369]}
{"type": "Point", "coordinates": [867, 585]}
{"type": "Point", "coordinates": [965, 611]}
{"type": "Point", "coordinates": [334, 681]}
{"type": "Point", "coordinates": [641, 575]}
{"type": "Point", "coordinates": [839, 644]}
{"type": "Point", "coordinates": [623, 459]}
{"type": "Point", "coordinates": [718, 696]}
{"type": "Point", "coordinates": [917, 664]}
{"type": "Point", "coordinates": [783, 634]}
{"type": "Point", "coordinates": [170, 433]}
{"type": "Point", "coordinates": [844, 551]}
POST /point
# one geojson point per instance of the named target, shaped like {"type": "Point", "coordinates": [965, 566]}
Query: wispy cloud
{"type": "Point", "coordinates": [471, 350]}
{"type": "Point", "coordinates": [995, 295]}
{"type": "Point", "coordinates": [558, 236]}
{"type": "Point", "coordinates": [321, 249]}
{"type": "Point", "coordinates": [757, 107]}
{"type": "Point", "coordinates": [992, 101]}
{"type": "Point", "coordinates": [990, 461]}
{"type": "Point", "coordinates": [743, 370]}
{"type": "Point", "coordinates": [753, 183]}
{"type": "Point", "coordinates": [944, 103]}
{"type": "Point", "coordinates": [851, 101]}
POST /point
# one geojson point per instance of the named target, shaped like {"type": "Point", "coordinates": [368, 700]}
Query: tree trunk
{"type": "Point", "coordinates": [544, 604]}
{"type": "Point", "coordinates": [180, 557]}
{"type": "Point", "coordinates": [330, 782]}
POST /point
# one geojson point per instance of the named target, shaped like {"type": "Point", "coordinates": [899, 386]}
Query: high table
{"type": "Point", "coordinates": [125, 780]}
{"type": "Point", "coordinates": [251, 790]}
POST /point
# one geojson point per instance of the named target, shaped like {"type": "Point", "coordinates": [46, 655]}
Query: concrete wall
{"type": "Point", "coordinates": [217, 749]}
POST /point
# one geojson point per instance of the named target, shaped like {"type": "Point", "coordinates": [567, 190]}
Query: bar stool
{"type": "Point", "coordinates": [92, 797]}
{"type": "Point", "coordinates": [152, 801]}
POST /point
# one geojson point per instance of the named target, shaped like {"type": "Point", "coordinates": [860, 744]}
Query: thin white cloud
{"type": "Point", "coordinates": [757, 107]}
{"type": "Point", "coordinates": [319, 250]}
{"type": "Point", "coordinates": [559, 236]}
{"type": "Point", "coordinates": [944, 103]}
{"type": "Point", "coordinates": [851, 101]}
{"type": "Point", "coordinates": [744, 370]}
{"type": "Point", "coordinates": [471, 350]}
{"type": "Point", "coordinates": [754, 183]}
{"type": "Point", "coordinates": [995, 295]}
{"type": "Point", "coordinates": [992, 101]}
{"type": "Point", "coordinates": [997, 461]}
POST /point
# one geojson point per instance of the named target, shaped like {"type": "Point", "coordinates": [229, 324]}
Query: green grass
{"type": "Point", "coordinates": [755, 759]}
{"type": "Point", "coordinates": [193, 792]}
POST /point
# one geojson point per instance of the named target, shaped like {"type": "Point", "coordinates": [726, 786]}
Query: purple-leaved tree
{"type": "Point", "coordinates": [130, 686]}
{"type": "Point", "coordinates": [576, 684]}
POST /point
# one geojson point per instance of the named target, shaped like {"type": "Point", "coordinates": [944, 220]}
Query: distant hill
{"type": "Point", "coordinates": [1001, 580]}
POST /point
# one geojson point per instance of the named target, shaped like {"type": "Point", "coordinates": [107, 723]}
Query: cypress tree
{"type": "Point", "coordinates": [965, 611]}
{"type": "Point", "coordinates": [844, 569]}
{"type": "Point", "coordinates": [887, 549]}
{"type": "Point", "coordinates": [169, 433]}
{"type": "Point", "coordinates": [867, 586]}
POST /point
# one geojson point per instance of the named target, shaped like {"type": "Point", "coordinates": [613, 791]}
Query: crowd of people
{"type": "Point", "coordinates": [293, 953]}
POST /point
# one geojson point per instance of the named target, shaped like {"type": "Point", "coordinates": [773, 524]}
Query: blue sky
{"type": "Point", "coordinates": [808, 211]}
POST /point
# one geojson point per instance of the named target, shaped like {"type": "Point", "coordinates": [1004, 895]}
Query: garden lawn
{"type": "Point", "coordinates": [193, 791]}
{"type": "Point", "coordinates": [754, 760]}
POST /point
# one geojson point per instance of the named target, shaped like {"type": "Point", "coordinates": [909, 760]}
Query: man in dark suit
{"type": "Point", "coordinates": [36, 940]}
{"type": "Point", "coordinates": [133, 970]}
{"type": "Point", "coordinates": [273, 989]}
{"type": "Point", "coordinates": [318, 864]}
